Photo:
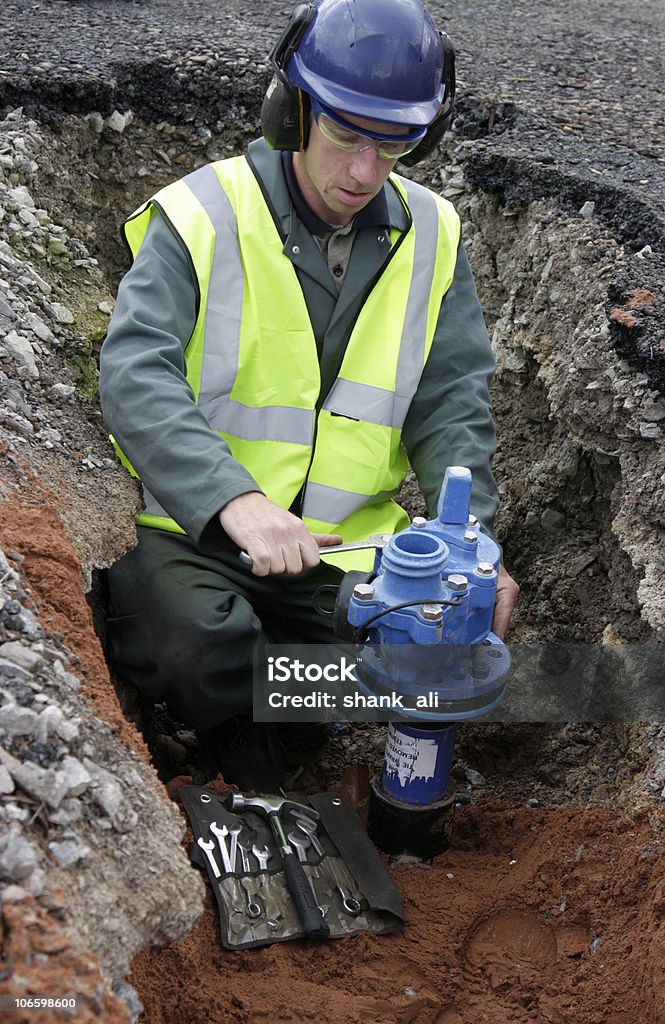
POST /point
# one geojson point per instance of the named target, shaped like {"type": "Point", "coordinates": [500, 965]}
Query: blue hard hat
{"type": "Point", "coordinates": [378, 59]}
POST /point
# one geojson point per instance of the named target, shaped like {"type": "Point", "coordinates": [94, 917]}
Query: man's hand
{"type": "Point", "coordinates": [275, 540]}
{"type": "Point", "coordinates": [507, 592]}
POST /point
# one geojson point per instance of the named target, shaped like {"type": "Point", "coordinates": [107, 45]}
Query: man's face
{"type": "Point", "coordinates": [337, 183]}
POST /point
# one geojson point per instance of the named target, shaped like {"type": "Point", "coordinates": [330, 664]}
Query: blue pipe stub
{"type": "Point", "coordinates": [417, 763]}
{"type": "Point", "coordinates": [455, 497]}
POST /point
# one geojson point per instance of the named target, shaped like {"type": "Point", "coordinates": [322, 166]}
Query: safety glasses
{"type": "Point", "coordinates": [348, 137]}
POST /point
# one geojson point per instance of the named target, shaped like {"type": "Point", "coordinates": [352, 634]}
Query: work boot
{"type": "Point", "coordinates": [248, 754]}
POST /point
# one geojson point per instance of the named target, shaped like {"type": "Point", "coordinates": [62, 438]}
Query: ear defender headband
{"type": "Point", "coordinates": [284, 118]}
{"type": "Point", "coordinates": [438, 127]}
{"type": "Point", "coordinates": [285, 110]}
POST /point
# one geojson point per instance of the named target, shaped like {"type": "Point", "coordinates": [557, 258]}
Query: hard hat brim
{"type": "Point", "coordinates": [392, 110]}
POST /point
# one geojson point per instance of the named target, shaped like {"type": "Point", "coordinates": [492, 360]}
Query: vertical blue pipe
{"type": "Point", "coordinates": [417, 763]}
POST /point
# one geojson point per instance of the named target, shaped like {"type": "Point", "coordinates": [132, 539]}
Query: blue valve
{"type": "Point", "coordinates": [455, 498]}
{"type": "Point", "coordinates": [442, 573]}
{"type": "Point", "coordinates": [427, 623]}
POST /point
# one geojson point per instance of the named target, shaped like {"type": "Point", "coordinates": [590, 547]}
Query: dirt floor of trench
{"type": "Point", "coordinates": [535, 913]}
{"type": "Point", "coordinates": [532, 915]}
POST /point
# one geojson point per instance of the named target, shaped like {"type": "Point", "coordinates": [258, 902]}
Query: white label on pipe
{"type": "Point", "coordinates": [409, 757]}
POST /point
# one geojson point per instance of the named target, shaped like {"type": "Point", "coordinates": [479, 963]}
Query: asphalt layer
{"type": "Point", "coordinates": [565, 99]}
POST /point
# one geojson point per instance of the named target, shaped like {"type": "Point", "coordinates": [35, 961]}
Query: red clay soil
{"type": "Point", "coordinates": [36, 946]}
{"type": "Point", "coordinates": [33, 529]}
{"type": "Point", "coordinates": [556, 917]}
{"type": "Point", "coordinates": [549, 916]}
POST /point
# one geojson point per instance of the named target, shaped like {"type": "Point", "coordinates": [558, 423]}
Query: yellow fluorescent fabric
{"type": "Point", "coordinates": [252, 362]}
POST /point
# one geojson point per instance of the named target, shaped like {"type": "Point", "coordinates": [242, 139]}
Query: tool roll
{"type": "Point", "coordinates": [343, 879]}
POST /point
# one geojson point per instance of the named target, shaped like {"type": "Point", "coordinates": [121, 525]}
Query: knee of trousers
{"type": "Point", "coordinates": [196, 651]}
{"type": "Point", "coordinates": [199, 625]}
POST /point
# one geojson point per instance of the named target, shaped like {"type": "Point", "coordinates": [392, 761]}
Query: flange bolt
{"type": "Point", "coordinates": [419, 522]}
{"type": "Point", "coordinates": [457, 582]}
{"type": "Point", "coordinates": [471, 536]}
{"type": "Point", "coordinates": [432, 613]}
{"type": "Point", "coordinates": [363, 592]}
{"type": "Point", "coordinates": [473, 521]}
{"type": "Point", "coordinates": [485, 569]}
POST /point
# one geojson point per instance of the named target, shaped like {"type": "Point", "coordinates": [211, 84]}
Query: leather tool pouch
{"type": "Point", "coordinates": [352, 886]}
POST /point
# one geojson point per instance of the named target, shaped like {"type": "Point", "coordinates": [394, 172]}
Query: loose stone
{"type": "Point", "coordinates": [6, 781]}
{"type": "Point", "coordinates": [17, 721]}
{"type": "Point", "coordinates": [20, 349]}
{"type": "Point", "coordinates": [18, 859]}
{"type": "Point", "coordinates": [68, 852]}
{"type": "Point", "coordinates": [22, 656]}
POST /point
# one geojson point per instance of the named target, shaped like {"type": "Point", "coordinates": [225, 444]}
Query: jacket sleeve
{"type": "Point", "coordinates": [450, 419]}
{"type": "Point", "coordinates": [146, 400]}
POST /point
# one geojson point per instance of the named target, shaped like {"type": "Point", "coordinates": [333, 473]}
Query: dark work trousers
{"type": "Point", "coordinates": [183, 625]}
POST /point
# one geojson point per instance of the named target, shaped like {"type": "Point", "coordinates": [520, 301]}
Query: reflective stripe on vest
{"type": "Point", "coordinates": [252, 361]}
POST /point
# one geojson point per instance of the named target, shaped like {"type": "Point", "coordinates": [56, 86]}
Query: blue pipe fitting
{"type": "Point", "coordinates": [427, 618]}
{"type": "Point", "coordinates": [412, 568]}
{"type": "Point", "coordinates": [412, 565]}
{"type": "Point", "coordinates": [459, 573]}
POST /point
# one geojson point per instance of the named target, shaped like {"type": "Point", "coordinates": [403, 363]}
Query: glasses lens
{"type": "Point", "coordinates": [393, 150]}
{"type": "Point", "coordinates": [339, 136]}
{"type": "Point", "coordinates": [354, 141]}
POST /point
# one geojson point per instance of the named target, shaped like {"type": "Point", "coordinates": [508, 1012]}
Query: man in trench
{"type": "Point", "coordinates": [298, 326]}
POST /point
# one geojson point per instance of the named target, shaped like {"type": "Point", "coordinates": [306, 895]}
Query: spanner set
{"type": "Point", "coordinates": [277, 872]}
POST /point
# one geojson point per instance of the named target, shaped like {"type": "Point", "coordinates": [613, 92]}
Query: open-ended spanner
{"type": "Point", "coordinates": [221, 834]}
{"type": "Point", "coordinates": [301, 843]}
{"type": "Point", "coordinates": [234, 832]}
{"type": "Point", "coordinates": [377, 540]}
{"type": "Point", "coordinates": [308, 826]}
{"type": "Point", "coordinates": [262, 856]}
{"type": "Point", "coordinates": [245, 848]}
{"type": "Point", "coordinates": [208, 845]}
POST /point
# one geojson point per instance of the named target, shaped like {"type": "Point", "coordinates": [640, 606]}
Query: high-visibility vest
{"type": "Point", "coordinates": [252, 359]}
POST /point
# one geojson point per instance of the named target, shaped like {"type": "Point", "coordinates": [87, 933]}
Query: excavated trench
{"type": "Point", "coordinates": [573, 311]}
{"type": "Point", "coordinates": [565, 397]}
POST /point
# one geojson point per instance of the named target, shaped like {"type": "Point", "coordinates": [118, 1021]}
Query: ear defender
{"type": "Point", "coordinates": [285, 110]}
{"type": "Point", "coordinates": [438, 127]}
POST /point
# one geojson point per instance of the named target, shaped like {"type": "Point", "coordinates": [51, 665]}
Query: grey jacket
{"type": "Point", "coordinates": [186, 465]}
